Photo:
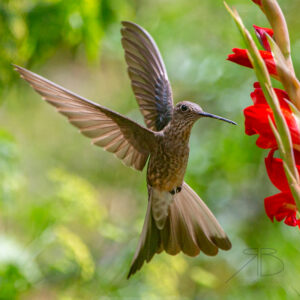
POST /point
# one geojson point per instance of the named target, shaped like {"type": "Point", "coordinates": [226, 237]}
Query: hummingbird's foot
{"type": "Point", "coordinates": [175, 190]}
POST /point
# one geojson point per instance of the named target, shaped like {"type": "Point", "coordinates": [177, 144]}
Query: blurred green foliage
{"type": "Point", "coordinates": [71, 214]}
{"type": "Point", "coordinates": [32, 31]}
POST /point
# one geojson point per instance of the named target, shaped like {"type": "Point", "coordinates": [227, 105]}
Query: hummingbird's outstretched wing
{"type": "Point", "coordinates": [125, 138]}
{"type": "Point", "coordinates": [149, 79]}
{"type": "Point", "coordinates": [190, 227]}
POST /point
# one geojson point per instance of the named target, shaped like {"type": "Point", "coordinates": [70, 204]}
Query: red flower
{"type": "Point", "coordinates": [276, 172]}
{"type": "Point", "coordinates": [240, 57]}
{"type": "Point", "coordinates": [256, 119]}
{"type": "Point", "coordinates": [282, 205]}
{"type": "Point", "coordinates": [261, 35]}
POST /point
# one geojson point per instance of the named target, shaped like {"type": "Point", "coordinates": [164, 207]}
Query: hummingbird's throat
{"type": "Point", "coordinates": [179, 131]}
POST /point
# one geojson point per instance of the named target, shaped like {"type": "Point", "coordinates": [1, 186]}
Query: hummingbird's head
{"type": "Point", "coordinates": [190, 112]}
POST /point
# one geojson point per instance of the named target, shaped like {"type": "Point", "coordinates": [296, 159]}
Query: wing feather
{"type": "Point", "coordinates": [129, 141]}
{"type": "Point", "coordinates": [149, 79]}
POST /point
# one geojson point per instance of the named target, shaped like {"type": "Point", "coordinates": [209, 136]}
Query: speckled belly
{"type": "Point", "coordinates": [166, 169]}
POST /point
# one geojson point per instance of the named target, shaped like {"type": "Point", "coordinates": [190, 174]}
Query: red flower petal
{"type": "Point", "coordinates": [240, 57]}
{"type": "Point", "coordinates": [276, 172]}
{"type": "Point", "coordinates": [282, 207]}
{"type": "Point", "coordinates": [258, 96]}
{"type": "Point", "coordinates": [256, 119]}
{"type": "Point", "coordinates": [261, 35]}
{"type": "Point", "coordinates": [297, 157]}
{"type": "Point", "coordinates": [256, 85]}
{"type": "Point", "coordinates": [256, 122]}
{"type": "Point", "coordinates": [258, 2]}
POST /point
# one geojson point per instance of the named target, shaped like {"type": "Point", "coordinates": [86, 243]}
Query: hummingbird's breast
{"type": "Point", "coordinates": [167, 165]}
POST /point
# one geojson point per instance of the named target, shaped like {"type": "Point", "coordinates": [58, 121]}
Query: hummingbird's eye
{"type": "Point", "coordinates": [183, 107]}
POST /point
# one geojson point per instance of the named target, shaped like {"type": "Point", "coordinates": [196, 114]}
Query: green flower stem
{"type": "Point", "coordinates": [277, 21]}
{"type": "Point", "coordinates": [282, 50]}
{"type": "Point", "coordinates": [287, 78]}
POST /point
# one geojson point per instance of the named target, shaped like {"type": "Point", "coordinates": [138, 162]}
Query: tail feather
{"type": "Point", "coordinates": [190, 227]}
{"type": "Point", "coordinates": [204, 219]}
{"type": "Point", "coordinates": [182, 236]}
{"type": "Point", "coordinates": [188, 230]}
{"type": "Point", "coordinates": [149, 243]}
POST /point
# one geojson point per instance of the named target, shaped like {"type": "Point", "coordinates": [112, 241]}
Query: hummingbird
{"type": "Point", "coordinates": [176, 218]}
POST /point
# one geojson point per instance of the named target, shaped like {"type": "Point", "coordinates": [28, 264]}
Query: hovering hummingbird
{"type": "Point", "coordinates": [176, 218]}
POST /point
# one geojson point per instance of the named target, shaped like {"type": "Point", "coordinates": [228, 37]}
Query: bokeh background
{"type": "Point", "coordinates": [71, 214]}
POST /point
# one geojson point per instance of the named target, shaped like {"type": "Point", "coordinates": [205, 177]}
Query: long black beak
{"type": "Point", "coordinates": [205, 114]}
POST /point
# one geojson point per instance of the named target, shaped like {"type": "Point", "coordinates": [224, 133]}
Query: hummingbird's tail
{"type": "Point", "coordinates": [149, 242]}
{"type": "Point", "coordinates": [190, 227]}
